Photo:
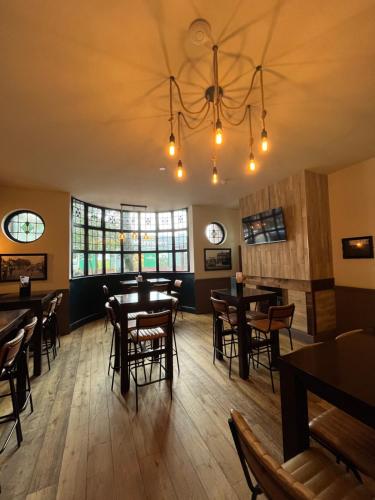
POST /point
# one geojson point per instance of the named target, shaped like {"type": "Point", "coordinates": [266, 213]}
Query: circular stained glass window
{"type": "Point", "coordinates": [23, 226]}
{"type": "Point", "coordinates": [215, 233]}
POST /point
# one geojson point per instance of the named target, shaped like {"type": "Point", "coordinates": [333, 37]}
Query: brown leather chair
{"type": "Point", "coordinates": [24, 358]}
{"type": "Point", "coordinates": [8, 363]}
{"type": "Point", "coordinates": [228, 318]}
{"type": "Point", "coordinates": [49, 332]}
{"type": "Point", "coordinates": [279, 317]}
{"type": "Point", "coordinates": [308, 475]}
{"type": "Point", "coordinates": [106, 297]}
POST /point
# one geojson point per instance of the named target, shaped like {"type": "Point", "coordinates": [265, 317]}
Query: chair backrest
{"type": "Point", "coordinates": [111, 316]}
{"type": "Point", "coordinates": [155, 320]}
{"type": "Point", "coordinates": [59, 300]}
{"type": "Point", "coordinates": [52, 307]}
{"type": "Point", "coordinates": [160, 287]}
{"type": "Point", "coordinates": [219, 306]}
{"type": "Point", "coordinates": [274, 481]}
{"type": "Point", "coordinates": [347, 334]}
{"type": "Point", "coordinates": [29, 331]}
{"type": "Point", "coordinates": [282, 313]}
{"type": "Point", "coordinates": [105, 292]}
{"type": "Point", "coordinates": [175, 302]}
{"type": "Point", "coordinates": [10, 350]}
{"type": "Point", "coordinates": [177, 284]}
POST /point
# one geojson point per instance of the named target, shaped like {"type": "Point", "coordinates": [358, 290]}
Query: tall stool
{"type": "Point", "coordinates": [49, 332]}
{"type": "Point", "coordinates": [175, 310]}
{"type": "Point", "coordinates": [8, 359]}
{"type": "Point", "coordinates": [176, 292]}
{"type": "Point", "coordinates": [58, 304]}
{"type": "Point", "coordinates": [106, 298]}
{"type": "Point", "coordinates": [29, 332]}
{"type": "Point", "coordinates": [279, 317]}
{"type": "Point", "coordinates": [149, 340]}
{"type": "Point", "coordinates": [228, 336]}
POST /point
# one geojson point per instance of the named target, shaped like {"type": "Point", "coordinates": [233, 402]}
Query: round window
{"type": "Point", "coordinates": [23, 226]}
{"type": "Point", "coordinates": [215, 233]}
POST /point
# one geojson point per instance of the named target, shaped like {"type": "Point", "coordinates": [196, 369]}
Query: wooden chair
{"type": "Point", "coordinates": [8, 365]}
{"type": "Point", "coordinates": [149, 339]}
{"type": "Point", "coordinates": [24, 359]}
{"type": "Point", "coordinates": [223, 316]}
{"type": "Point", "coordinates": [59, 297]}
{"type": "Point", "coordinates": [160, 287]}
{"type": "Point", "coordinates": [279, 317]}
{"type": "Point", "coordinates": [308, 475]}
{"type": "Point", "coordinates": [106, 297]}
{"type": "Point", "coordinates": [175, 310]}
{"type": "Point", "coordinates": [49, 332]}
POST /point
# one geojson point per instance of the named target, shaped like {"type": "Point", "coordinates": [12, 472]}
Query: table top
{"type": "Point", "coordinates": [345, 365]}
{"type": "Point", "coordinates": [246, 295]}
{"type": "Point", "coordinates": [133, 298]}
{"type": "Point", "coordinates": [34, 296]}
{"type": "Point", "coordinates": [9, 319]}
{"type": "Point", "coordinates": [151, 280]}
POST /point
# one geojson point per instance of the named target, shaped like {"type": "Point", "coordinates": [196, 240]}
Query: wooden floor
{"type": "Point", "coordinates": [85, 442]}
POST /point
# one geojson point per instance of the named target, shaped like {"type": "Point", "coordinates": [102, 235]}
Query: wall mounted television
{"type": "Point", "coordinates": [264, 227]}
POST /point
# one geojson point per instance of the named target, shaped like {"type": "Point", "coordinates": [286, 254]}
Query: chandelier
{"type": "Point", "coordinates": [218, 109]}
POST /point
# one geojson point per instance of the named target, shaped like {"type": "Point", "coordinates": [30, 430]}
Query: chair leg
{"type": "Point", "coordinates": [110, 355]}
{"type": "Point", "coordinates": [290, 338]}
{"type": "Point", "coordinates": [16, 410]}
{"type": "Point", "coordinates": [270, 368]}
{"type": "Point", "coordinates": [47, 351]}
{"type": "Point", "coordinates": [175, 347]}
{"type": "Point", "coordinates": [231, 355]}
{"type": "Point", "coordinates": [136, 386]}
{"type": "Point", "coordinates": [29, 385]}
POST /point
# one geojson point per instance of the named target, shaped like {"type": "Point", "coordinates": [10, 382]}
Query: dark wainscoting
{"type": "Point", "coordinates": [86, 294]}
{"type": "Point", "coordinates": [203, 289]}
{"type": "Point", "coordinates": [354, 308]}
{"type": "Point", "coordinates": [64, 313]}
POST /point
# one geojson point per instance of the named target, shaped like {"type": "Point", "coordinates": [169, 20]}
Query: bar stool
{"type": "Point", "coordinates": [279, 317]}
{"type": "Point", "coordinates": [175, 310]}
{"type": "Point", "coordinates": [29, 332]}
{"type": "Point", "coordinates": [49, 332]}
{"type": "Point", "coordinates": [58, 304]}
{"type": "Point", "coordinates": [149, 340]}
{"type": "Point", "coordinates": [229, 336]}
{"type": "Point", "coordinates": [176, 292]}
{"type": "Point", "coordinates": [106, 297]}
{"type": "Point", "coordinates": [8, 359]}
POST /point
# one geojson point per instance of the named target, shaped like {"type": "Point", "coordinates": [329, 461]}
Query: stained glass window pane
{"type": "Point", "coordinates": [112, 241]}
{"type": "Point", "coordinates": [78, 209]}
{"type": "Point", "coordinates": [112, 263]}
{"type": "Point", "coordinates": [148, 261]}
{"type": "Point", "coordinates": [166, 261]}
{"type": "Point", "coordinates": [78, 237]}
{"type": "Point", "coordinates": [78, 264]}
{"type": "Point", "coordinates": [95, 263]}
{"type": "Point", "coordinates": [180, 219]}
{"type": "Point", "coordinates": [131, 242]}
{"type": "Point", "coordinates": [180, 240]}
{"type": "Point", "coordinates": [165, 220]}
{"type": "Point", "coordinates": [131, 263]}
{"type": "Point", "coordinates": [95, 239]}
{"type": "Point", "coordinates": [94, 216]}
{"type": "Point", "coordinates": [24, 226]}
{"type": "Point", "coordinates": [130, 221]}
{"type": "Point", "coordinates": [148, 241]}
{"type": "Point", "coordinates": [148, 221]}
{"type": "Point", "coordinates": [182, 261]}
{"type": "Point", "coordinates": [165, 240]}
{"type": "Point", "coordinates": [112, 219]}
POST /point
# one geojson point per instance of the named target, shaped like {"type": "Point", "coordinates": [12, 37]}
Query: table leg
{"type": "Point", "coordinates": [37, 343]}
{"type": "Point", "coordinates": [21, 380]}
{"type": "Point", "coordinates": [218, 338]}
{"type": "Point", "coordinates": [294, 412]}
{"type": "Point", "coordinates": [243, 342]}
{"type": "Point", "coordinates": [117, 342]}
{"type": "Point", "coordinates": [124, 354]}
{"type": "Point", "coordinates": [169, 353]}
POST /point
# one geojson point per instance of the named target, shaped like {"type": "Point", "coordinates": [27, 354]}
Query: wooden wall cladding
{"type": "Point", "coordinates": [290, 259]}
{"type": "Point", "coordinates": [325, 312]}
{"type": "Point", "coordinates": [300, 313]}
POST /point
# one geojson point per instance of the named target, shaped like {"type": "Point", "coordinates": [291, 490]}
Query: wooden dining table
{"type": "Point", "coordinates": [241, 298]}
{"type": "Point", "coordinates": [135, 302]}
{"type": "Point", "coordinates": [153, 281]}
{"type": "Point", "coordinates": [37, 303]}
{"type": "Point", "coordinates": [339, 371]}
{"type": "Point", "coordinates": [10, 323]}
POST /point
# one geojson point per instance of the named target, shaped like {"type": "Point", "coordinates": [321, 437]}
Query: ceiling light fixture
{"type": "Point", "coordinates": [222, 110]}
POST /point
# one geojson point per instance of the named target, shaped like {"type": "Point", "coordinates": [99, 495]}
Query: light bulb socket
{"type": "Point", "coordinates": [264, 134]}
{"type": "Point", "coordinates": [218, 124]}
{"type": "Point", "coordinates": [251, 157]}
{"type": "Point", "coordinates": [214, 171]}
{"type": "Point", "coordinates": [179, 164]}
{"type": "Point", "coordinates": [171, 138]}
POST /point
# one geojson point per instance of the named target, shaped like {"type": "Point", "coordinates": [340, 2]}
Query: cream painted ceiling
{"type": "Point", "coordinates": [84, 93]}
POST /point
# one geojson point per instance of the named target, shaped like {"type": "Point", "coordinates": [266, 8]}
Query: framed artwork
{"type": "Point", "coordinates": [14, 265]}
{"type": "Point", "coordinates": [360, 247]}
{"type": "Point", "coordinates": [217, 259]}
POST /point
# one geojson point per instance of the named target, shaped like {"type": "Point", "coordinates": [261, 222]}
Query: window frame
{"type": "Point", "coordinates": [122, 252]}
{"type": "Point", "coordinates": [14, 213]}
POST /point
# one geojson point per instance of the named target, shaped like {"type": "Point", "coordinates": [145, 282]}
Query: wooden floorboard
{"type": "Point", "coordinates": [84, 441]}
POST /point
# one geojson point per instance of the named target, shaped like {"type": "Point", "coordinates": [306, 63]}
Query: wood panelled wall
{"type": "Point", "coordinates": [301, 266]}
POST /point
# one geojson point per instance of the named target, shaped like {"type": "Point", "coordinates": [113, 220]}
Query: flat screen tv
{"type": "Point", "coordinates": [264, 227]}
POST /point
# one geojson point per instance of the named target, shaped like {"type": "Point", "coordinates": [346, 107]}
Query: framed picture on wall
{"type": "Point", "coordinates": [14, 265]}
{"type": "Point", "coordinates": [217, 259]}
{"type": "Point", "coordinates": [360, 247]}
